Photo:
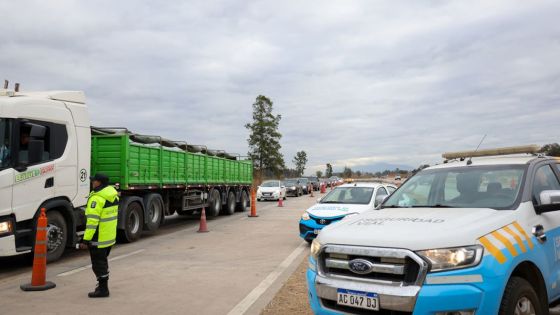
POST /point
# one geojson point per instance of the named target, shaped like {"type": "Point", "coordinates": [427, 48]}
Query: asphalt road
{"type": "Point", "coordinates": [236, 268]}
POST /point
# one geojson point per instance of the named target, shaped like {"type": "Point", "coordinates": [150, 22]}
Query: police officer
{"type": "Point", "coordinates": [101, 230]}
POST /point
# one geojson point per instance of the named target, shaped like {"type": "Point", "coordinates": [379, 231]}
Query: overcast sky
{"type": "Point", "coordinates": [356, 82]}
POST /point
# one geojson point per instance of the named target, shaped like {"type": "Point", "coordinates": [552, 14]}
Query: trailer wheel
{"type": "Point", "coordinates": [520, 298]}
{"type": "Point", "coordinates": [56, 235]}
{"type": "Point", "coordinates": [215, 204]}
{"type": "Point", "coordinates": [230, 206]}
{"type": "Point", "coordinates": [154, 211]}
{"type": "Point", "coordinates": [242, 205]}
{"type": "Point", "coordinates": [133, 223]}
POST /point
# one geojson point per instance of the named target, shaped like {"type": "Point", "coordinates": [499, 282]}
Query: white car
{"type": "Point", "coordinates": [348, 199]}
{"type": "Point", "coordinates": [271, 190]}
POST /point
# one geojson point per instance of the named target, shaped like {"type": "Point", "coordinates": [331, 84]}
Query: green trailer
{"type": "Point", "coordinates": [159, 177]}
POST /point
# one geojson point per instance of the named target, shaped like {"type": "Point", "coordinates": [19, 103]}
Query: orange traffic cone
{"type": "Point", "coordinates": [323, 188]}
{"type": "Point", "coordinates": [253, 204]}
{"type": "Point", "coordinates": [203, 227]}
{"type": "Point", "coordinates": [280, 203]}
{"type": "Point", "coordinates": [39, 274]}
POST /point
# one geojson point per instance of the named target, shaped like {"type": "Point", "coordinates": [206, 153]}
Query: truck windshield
{"type": "Point", "coordinates": [5, 137]}
{"type": "Point", "coordinates": [349, 195]}
{"type": "Point", "coordinates": [494, 186]}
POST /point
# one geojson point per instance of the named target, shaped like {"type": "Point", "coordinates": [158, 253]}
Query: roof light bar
{"type": "Point", "coordinates": [529, 149]}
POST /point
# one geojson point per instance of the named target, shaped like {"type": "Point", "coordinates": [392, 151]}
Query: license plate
{"type": "Point", "coordinates": [267, 194]}
{"type": "Point", "coordinates": [316, 231]}
{"type": "Point", "coordinates": [359, 299]}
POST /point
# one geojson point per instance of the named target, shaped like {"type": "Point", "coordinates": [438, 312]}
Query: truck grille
{"type": "Point", "coordinates": [380, 265]}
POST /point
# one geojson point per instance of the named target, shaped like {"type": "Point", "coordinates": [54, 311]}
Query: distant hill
{"type": "Point", "coordinates": [379, 167]}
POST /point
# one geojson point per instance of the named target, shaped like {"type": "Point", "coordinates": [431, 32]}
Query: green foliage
{"type": "Point", "coordinates": [319, 174]}
{"type": "Point", "coordinates": [328, 171]}
{"type": "Point", "coordinates": [551, 149]}
{"type": "Point", "coordinates": [300, 160]}
{"type": "Point", "coordinates": [264, 138]}
{"type": "Point", "coordinates": [347, 172]}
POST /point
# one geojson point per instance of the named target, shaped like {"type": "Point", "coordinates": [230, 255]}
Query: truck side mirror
{"type": "Point", "coordinates": [550, 201]}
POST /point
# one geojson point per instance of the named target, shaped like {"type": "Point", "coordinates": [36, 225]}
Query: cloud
{"type": "Point", "coordinates": [356, 82]}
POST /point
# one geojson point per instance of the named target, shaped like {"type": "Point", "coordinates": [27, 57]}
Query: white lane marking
{"type": "Point", "coordinates": [256, 293]}
{"type": "Point", "coordinates": [73, 271]}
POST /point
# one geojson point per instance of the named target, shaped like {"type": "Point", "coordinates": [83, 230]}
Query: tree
{"type": "Point", "coordinates": [552, 149]}
{"type": "Point", "coordinates": [347, 172]}
{"type": "Point", "coordinates": [264, 138]}
{"type": "Point", "coordinates": [300, 160]}
{"type": "Point", "coordinates": [319, 174]}
{"type": "Point", "coordinates": [358, 174]}
{"type": "Point", "coordinates": [328, 171]}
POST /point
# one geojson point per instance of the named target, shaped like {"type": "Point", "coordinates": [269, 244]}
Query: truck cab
{"type": "Point", "coordinates": [44, 163]}
{"type": "Point", "coordinates": [478, 234]}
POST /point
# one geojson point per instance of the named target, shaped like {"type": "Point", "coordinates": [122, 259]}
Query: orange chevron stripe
{"type": "Point", "coordinates": [522, 231]}
{"type": "Point", "coordinates": [493, 250]}
{"type": "Point", "coordinates": [517, 238]}
{"type": "Point", "coordinates": [506, 242]}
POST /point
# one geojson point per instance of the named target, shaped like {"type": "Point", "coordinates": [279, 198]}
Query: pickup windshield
{"type": "Point", "coordinates": [290, 183]}
{"type": "Point", "coordinates": [5, 136]}
{"type": "Point", "coordinates": [490, 186]}
{"type": "Point", "coordinates": [349, 195]}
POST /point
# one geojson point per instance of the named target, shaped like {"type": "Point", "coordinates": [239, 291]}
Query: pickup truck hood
{"type": "Point", "coordinates": [335, 210]}
{"type": "Point", "coordinates": [416, 228]}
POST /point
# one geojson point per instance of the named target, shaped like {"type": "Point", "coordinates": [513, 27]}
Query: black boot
{"type": "Point", "coordinates": [102, 289]}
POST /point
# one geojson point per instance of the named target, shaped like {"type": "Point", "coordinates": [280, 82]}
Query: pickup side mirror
{"type": "Point", "coordinates": [379, 200]}
{"type": "Point", "coordinates": [319, 200]}
{"type": "Point", "coordinates": [550, 201]}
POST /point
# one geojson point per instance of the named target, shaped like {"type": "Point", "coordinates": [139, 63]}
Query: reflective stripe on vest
{"type": "Point", "coordinates": [103, 243]}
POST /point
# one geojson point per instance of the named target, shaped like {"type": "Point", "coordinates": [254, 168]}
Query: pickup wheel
{"type": "Point", "coordinates": [133, 219]}
{"type": "Point", "coordinates": [154, 211]}
{"type": "Point", "coordinates": [520, 299]}
{"type": "Point", "coordinates": [215, 205]}
{"type": "Point", "coordinates": [57, 234]}
{"type": "Point", "coordinates": [230, 206]}
{"type": "Point", "coordinates": [242, 205]}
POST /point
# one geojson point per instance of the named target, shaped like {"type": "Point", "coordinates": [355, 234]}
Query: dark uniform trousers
{"type": "Point", "coordinates": [99, 262]}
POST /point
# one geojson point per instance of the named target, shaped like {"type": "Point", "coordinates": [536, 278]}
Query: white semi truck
{"type": "Point", "coordinates": [478, 234]}
{"type": "Point", "coordinates": [48, 150]}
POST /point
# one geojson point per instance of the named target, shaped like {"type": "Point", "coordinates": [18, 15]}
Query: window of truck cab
{"type": "Point", "coordinates": [6, 143]}
{"type": "Point", "coordinates": [477, 186]}
{"type": "Point", "coordinates": [54, 141]}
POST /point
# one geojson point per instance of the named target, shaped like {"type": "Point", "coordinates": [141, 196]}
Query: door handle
{"type": "Point", "coordinates": [538, 232]}
{"type": "Point", "coordinates": [49, 182]}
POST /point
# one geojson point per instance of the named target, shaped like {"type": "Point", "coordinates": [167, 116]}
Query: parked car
{"type": "Point", "coordinates": [314, 182]}
{"type": "Point", "coordinates": [293, 187]}
{"type": "Point", "coordinates": [398, 177]}
{"type": "Point", "coordinates": [305, 184]}
{"type": "Point", "coordinates": [271, 190]}
{"type": "Point", "coordinates": [348, 199]}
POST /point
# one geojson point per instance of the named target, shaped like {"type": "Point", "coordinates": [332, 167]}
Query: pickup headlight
{"type": "Point", "coordinates": [452, 258]}
{"type": "Point", "coordinates": [293, 187]}
{"type": "Point", "coordinates": [6, 227]}
{"type": "Point", "coordinates": [315, 249]}
{"type": "Point", "coordinates": [305, 216]}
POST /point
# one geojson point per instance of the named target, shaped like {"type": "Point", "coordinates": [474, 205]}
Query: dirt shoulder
{"type": "Point", "coordinates": [292, 297]}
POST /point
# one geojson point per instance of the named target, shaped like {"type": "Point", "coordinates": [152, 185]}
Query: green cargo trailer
{"type": "Point", "coordinates": [159, 177]}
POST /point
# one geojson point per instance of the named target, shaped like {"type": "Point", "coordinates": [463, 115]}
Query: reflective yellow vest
{"type": "Point", "coordinates": [102, 213]}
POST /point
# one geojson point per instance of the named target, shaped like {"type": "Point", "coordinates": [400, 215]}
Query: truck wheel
{"type": "Point", "coordinates": [242, 205]}
{"type": "Point", "coordinates": [230, 206]}
{"type": "Point", "coordinates": [154, 211]}
{"type": "Point", "coordinates": [215, 204]}
{"type": "Point", "coordinates": [57, 234]}
{"type": "Point", "coordinates": [520, 298]}
{"type": "Point", "coordinates": [133, 219]}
